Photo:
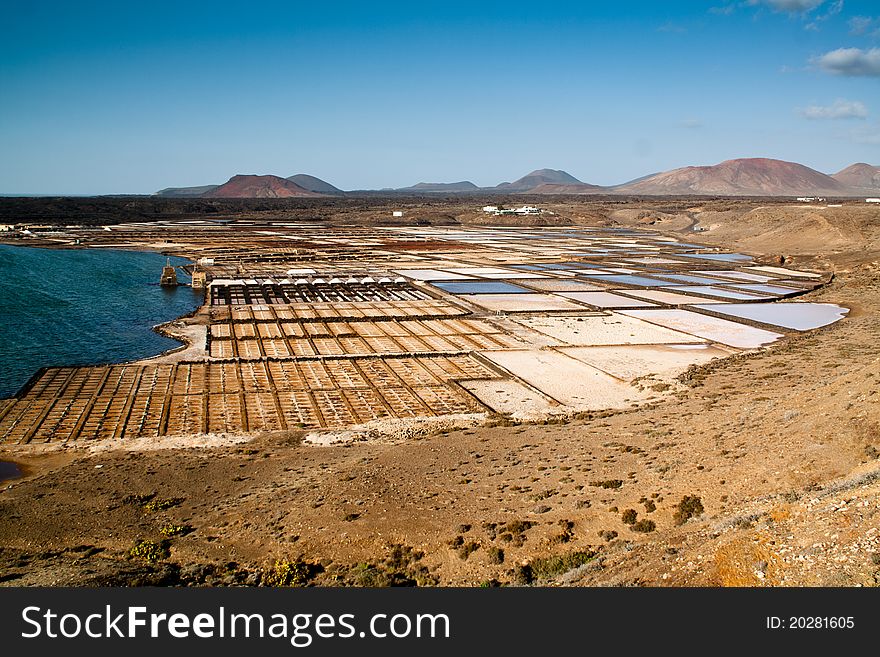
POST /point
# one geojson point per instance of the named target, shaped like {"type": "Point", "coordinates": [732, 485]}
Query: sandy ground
{"type": "Point", "coordinates": [759, 469]}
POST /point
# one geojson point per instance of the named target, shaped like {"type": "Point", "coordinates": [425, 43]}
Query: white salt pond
{"type": "Point", "coordinates": [511, 397]}
{"type": "Point", "coordinates": [567, 380]}
{"type": "Point", "coordinates": [669, 298]}
{"type": "Point", "coordinates": [606, 300]}
{"type": "Point", "coordinates": [782, 271]}
{"type": "Point", "coordinates": [767, 289]}
{"type": "Point", "coordinates": [715, 329]}
{"type": "Point", "coordinates": [520, 302]}
{"type": "Point", "coordinates": [561, 285]}
{"type": "Point", "coordinates": [796, 316]}
{"type": "Point", "coordinates": [719, 292]}
{"type": "Point", "coordinates": [611, 329]}
{"type": "Point", "coordinates": [431, 275]}
{"type": "Point", "coordinates": [633, 361]}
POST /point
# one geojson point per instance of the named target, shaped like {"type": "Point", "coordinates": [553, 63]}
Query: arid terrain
{"type": "Point", "coordinates": [759, 469]}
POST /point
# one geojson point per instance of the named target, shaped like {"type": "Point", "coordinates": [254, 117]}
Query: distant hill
{"type": "Point", "coordinates": [539, 177]}
{"type": "Point", "coordinates": [251, 186]}
{"type": "Point", "coordinates": [184, 192]}
{"type": "Point", "coordinates": [559, 188]}
{"type": "Point", "coordinates": [743, 177]}
{"type": "Point", "coordinates": [463, 186]}
{"type": "Point", "coordinates": [313, 184]}
{"type": "Point", "coordinates": [860, 176]}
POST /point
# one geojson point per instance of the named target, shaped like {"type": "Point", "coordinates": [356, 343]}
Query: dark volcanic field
{"type": "Point", "coordinates": [104, 210]}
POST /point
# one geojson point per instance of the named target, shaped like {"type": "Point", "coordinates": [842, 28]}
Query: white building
{"type": "Point", "coordinates": [397, 213]}
{"type": "Point", "coordinates": [872, 200]}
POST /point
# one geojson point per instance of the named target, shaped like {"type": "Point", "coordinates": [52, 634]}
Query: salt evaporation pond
{"type": "Point", "coordinates": [796, 316]}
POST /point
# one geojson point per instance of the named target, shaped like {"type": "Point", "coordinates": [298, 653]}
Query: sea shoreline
{"type": "Point", "coordinates": [160, 328]}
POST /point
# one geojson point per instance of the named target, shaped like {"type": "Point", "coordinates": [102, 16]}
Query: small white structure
{"type": "Point", "coordinates": [397, 213]}
{"type": "Point", "coordinates": [498, 211]}
{"type": "Point", "coordinates": [872, 200]}
{"type": "Point", "coordinates": [810, 199]}
{"type": "Point", "coordinates": [205, 262]}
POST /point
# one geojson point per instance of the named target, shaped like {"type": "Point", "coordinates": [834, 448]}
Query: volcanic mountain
{"type": "Point", "coordinates": [313, 184]}
{"type": "Point", "coordinates": [453, 187]}
{"type": "Point", "coordinates": [860, 176]}
{"type": "Point", "coordinates": [744, 177]}
{"type": "Point", "coordinates": [250, 186]}
{"type": "Point", "coordinates": [536, 178]}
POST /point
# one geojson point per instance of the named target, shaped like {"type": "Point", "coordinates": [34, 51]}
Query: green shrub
{"type": "Point", "coordinates": [170, 529]}
{"type": "Point", "coordinates": [155, 505]}
{"type": "Point", "coordinates": [289, 573]}
{"type": "Point", "coordinates": [495, 555]}
{"type": "Point", "coordinates": [464, 551]}
{"type": "Point", "coordinates": [150, 551]}
{"type": "Point", "coordinates": [608, 483]}
{"type": "Point", "coordinates": [547, 567]}
{"type": "Point", "coordinates": [689, 507]}
{"type": "Point", "coordinates": [643, 526]}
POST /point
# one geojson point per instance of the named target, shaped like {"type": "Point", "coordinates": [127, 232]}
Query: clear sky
{"type": "Point", "coordinates": [131, 97]}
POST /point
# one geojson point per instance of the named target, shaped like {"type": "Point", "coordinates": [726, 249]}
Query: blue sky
{"type": "Point", "coordinates": [110, 97]}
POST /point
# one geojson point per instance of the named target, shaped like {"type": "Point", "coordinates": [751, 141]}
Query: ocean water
{"type": "Point", "coordinates": [82, 306]}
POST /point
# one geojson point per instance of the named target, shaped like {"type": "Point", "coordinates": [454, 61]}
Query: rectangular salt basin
{"type": "Point", "coordinates": [633, 361]}
{"type": "Point", "coordinates": [654, 261]}
{"type": "Point", "coordinates": [767, 289]}
{"type": "Point", "coordinates": [697, 280]}
{"type": "Point", "coordinates": [797, 316]}
{"type": "Point", "coordinates": [628, 279]}
{"type": "Point", "coordinates": [431, 275]}
{"type": "Point", "coordinates": [567, 380]}
{"type": "Point", "coordinates": [605, 300]}
{"type": "Point", "coordinates": [561, 285]}
{"type": "Point", "coordinates": [719, 257]}
{"type": "Point", "coordinates": [511, 397]}
{"type": "Point", "coordinates": [478, 271]}
{"type": "Point", "coordinates": [719, 292]}
{"type": "Point", "coordinates": [621, 270]}
{"type": "Point", "coordinates": [536, 267]}
{"type": "Point", "coordinates": [511, 275]}
{"type": "Point", "coordinates": [739, 275]}
{"type": "Point", "coordinates": [523, 303]}
{"type": "Point", "coordinates": [668, 298]}
{"type": "Point", "coordinates": [782, 271]}
{"type": "Point", "coordinates": [611, 329]}
{"type": "Point", "coordinates": [718, 330]}
{"type": "Point", "coordinates": [480, 287]}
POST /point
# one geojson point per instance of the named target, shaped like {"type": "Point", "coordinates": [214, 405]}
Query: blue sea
{"type": "Point", "coordinates": [82, 306]}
